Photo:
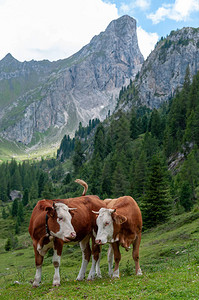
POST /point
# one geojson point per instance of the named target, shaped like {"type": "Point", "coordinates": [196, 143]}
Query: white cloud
{"type": "Point", "coordinates": [143, 4]}
{"type": "Point", "coordinates": [51, 29]}
{"type": "Point", "coordinates": [178, 11]}
{"type": "Point", "coordinates": [146, 41]}
{"type": "Point", "coordinates": [129, 8]}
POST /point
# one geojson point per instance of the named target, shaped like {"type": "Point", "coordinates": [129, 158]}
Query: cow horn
{"type": "Point", "coordinates": [95, 212]}
{"type": "Point", "coordinates": [112, 210]}
{"type": "Point", "coordinates": [71, 208]}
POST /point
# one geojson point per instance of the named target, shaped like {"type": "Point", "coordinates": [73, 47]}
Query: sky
{"type": "Point", "coordinates": [56, 29]}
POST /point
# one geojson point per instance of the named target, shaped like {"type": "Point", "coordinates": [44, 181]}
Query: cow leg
{"type": "Point", "coordinates": [117, 258]}
{"type": "Point", "coordinates": [110, 260]}
{"type": "Point", "coordinates": [96, 255]}
{"type": "Point", "coordinates": [58, 245]}
{"type": "Point", "coordinates": [86, 254]}
{"type": "Point", "coordinates": [136, 246]}
{"type": "Point", "coordinates": [98, 271]}
{"type": "Point", "coordinates": [38, 262]}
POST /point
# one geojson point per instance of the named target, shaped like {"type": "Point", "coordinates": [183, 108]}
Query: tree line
{"type": "Point", "coordinates": [150, 155]}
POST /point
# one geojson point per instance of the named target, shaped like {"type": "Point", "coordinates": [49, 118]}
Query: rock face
{"type": "Point", "coordinates": [164, 70]}
{"type": "Point", "coordinates": [61, 94]}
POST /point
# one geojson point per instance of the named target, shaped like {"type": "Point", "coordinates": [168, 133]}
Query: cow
{"type": "Point", "coordinates": [50, 222]}
{"type": "Point", "coordinates": [84, 224]}
{"type": "Point", "coordinates": [120, 223]}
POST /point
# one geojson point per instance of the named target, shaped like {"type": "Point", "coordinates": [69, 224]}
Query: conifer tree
{"type": "Point", "coordinates": [96, 172]}
{"type": "Point", "coordinates": [78, 157]}
{"type": "Point", "coordinates": [156, 203]}
{"type": "Point", "coordinates": [14, 208]}
{"type": "Point", "coordinates": [25, 197]}
{"type": "Point", "coordinates": [8, 245]}
{"type": "Point", "coordinates": [185, 196]}
{"type": "Point", "coordinates": [134, 130]}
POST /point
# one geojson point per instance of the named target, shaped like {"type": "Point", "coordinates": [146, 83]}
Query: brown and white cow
{"type": "Point", "coordinates": [120, 224]}
{"type": "Point", "coordinates": [49, 223]}
{"type": "Point", "coordinates": [83, 222]}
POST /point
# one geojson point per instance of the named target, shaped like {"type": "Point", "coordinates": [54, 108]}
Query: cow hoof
{"type": "Point", "coordinates": [79, 278]}
{"type": "Point", "coordinates": [116, 277]}
{"type": "Point", "coordinates": [35, 285]}
{"type": "Point", "coordinates": [56, 284]}
{"type": "Point", "coordinates": [139, 272]}
{"type": "Point", "coordinates": [90, 278]}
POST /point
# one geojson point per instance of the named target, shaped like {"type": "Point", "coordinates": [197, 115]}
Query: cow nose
{"type": "Point", "coordinates": [73, 235]}
{"type": "Point", "coordinates": [98, 242]}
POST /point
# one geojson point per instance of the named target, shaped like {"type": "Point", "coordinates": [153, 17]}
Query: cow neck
{"type": "Point", "coordinates": [47, 229]}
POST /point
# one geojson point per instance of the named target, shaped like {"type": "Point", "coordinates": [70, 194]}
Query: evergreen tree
{"type": "Point", "coordinates": [155, 125]}
{"type": "Point", "coordinates": [106, 181]}
{"type": "Point", "coordinates": [138, 177]}
{"type": "Point", "coordinates": [41, 183]}
{"type": "Point", "coordinates": [47, 192]}
{"type": "Point", "coordinates": [134, 130]}
{"type": "Point", "coordinates": [8, 245]}
{"type": "Point", "coordinates": [120, 183]}
{"type": "Point", "coordinates": [96, 172]}
{"type": "Point", "coordinates": [16, 180]}
{"type": "Point", "coordinates": [99, 141]}
{"type": "Point", "coordinates": [20, 213]}
{"type": "Point", "coordinates": [4, 214]}
{"type": "Point", "coordinates": [185, 196]}
{"type": "Point", "coordinates": [14, 208]}
{"type": "Point", "coordinates": [67, 179]}
{"type": "Point", "coordinates": [156, 203]}
{"type": "Point", "coordinates": [25, 197]}
{"type": "Point", "coordinates": [78, 157]}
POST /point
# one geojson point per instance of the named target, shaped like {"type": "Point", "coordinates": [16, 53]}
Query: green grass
{"type": "Point", "coordinates": [20, 152]}
{"type": "Point", "coordinates": [169, 258]}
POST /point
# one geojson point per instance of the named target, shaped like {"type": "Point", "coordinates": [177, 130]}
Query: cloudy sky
{"type": "Point", "coordinates": [56, 29]}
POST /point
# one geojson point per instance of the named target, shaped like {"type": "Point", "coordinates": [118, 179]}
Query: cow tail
{"type": "Point", "coordinates": [84, 184]}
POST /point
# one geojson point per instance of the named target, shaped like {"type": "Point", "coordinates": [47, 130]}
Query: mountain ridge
{"type": "Point", "coordinates": [83, 87]}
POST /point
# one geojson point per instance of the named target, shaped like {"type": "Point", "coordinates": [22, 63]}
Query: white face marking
{"type": "Point", "coordinates": [64, 221]}
{"type": "Point", "coordinates": [105, 226]}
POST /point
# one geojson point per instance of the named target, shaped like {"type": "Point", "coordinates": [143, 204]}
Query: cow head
{"type": "Point", "coordinates": [106, 221]}
{"type": "Point", "coordinates": [59, 222]}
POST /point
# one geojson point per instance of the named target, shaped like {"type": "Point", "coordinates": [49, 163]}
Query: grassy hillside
{"type": "Point", "coordinates": [169, 258]}
{"type": "Point", "coordinates": [20, 152]}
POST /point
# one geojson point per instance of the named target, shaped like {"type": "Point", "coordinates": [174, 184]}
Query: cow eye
{"type": "Point", "coordinates": [106, 223]}
{"type": "Point", "coordinates": [60, 219]}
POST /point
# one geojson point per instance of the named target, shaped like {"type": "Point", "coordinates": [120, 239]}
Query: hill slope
{"type": "Point", "coordinates": [169, 259]}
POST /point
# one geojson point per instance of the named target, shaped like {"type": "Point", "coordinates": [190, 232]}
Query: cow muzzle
{"type": "Point", "coordinates": [71, 237]}
{"type": "Point", "coordinates": [98, 242]}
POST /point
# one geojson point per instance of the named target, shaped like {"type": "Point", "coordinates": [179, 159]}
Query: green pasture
{"type": "Point", "coordinates": [169, 258]}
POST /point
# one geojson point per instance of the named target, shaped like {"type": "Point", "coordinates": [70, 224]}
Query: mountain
{"type": "Point", "coordinates": [42, 101]}
{"type": "Point", "coordinates": [163, 73]}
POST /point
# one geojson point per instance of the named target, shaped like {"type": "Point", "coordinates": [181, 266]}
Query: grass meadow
{"type": "Point", "coordinates": [169, 258]}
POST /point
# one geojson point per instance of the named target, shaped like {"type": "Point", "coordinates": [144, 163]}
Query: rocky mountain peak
{"type": "Point", "coordinates": [122, 26]}
{"type": "Point", "coordinates": [163, 73]}
{"type": "Point", "coordinates": [84, 86]}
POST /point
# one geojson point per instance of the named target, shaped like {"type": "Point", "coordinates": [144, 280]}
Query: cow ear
{"type": "Point", "coordinates": [50, 210]}
{"type": "Point", "coordinates": [119, 219]}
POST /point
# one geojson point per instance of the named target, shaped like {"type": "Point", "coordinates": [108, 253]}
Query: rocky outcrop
{"type": "Point", "coordinates": [164, 70]}
{"type": "Point", "coordinates": [82, 87]}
